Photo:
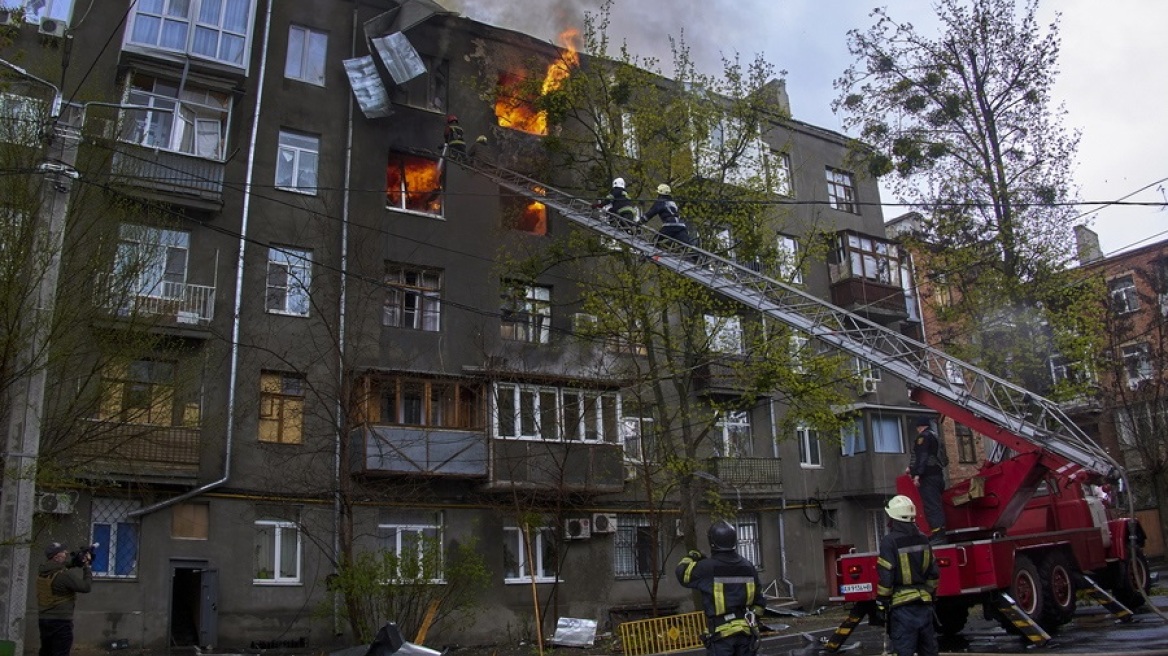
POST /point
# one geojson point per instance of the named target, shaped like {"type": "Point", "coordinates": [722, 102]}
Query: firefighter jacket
{"type": "Point", "coordinates": [619, 203]}
{"type": "Point", "coordinates": [667, 209]}
{"type": "Point", "coordinates": [455, 136]}
{"type": "Point", "coordinates": [908, 573]}
{"type": "Point", "coordinates": [730, 587]}
{"type": "Point", "coordinates": [57, 586]}
{"type": "Point", "coordinates": [924, 458]}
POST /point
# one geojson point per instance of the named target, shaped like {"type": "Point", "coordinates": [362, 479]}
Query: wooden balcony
{"type": "Point", "coordinates": [398, 450]}
{"type": "Point", "coordinates": [138, 452]}
{"type": "Point", "coordinates": [749, 475]}
{"type": "Point", "coordinates": [170, 176]}
{"type": "Point", "coordinates": [557, 467]}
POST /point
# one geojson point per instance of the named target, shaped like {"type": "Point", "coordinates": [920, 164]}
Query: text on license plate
{"type": "Point", "coordinates": [849, 588]}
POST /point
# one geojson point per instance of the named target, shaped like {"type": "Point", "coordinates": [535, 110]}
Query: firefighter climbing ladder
{"type": "Point", "coordinates": [1031, 418]}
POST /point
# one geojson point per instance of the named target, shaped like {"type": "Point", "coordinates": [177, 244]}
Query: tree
{"type": "Point", "coordinates": [964, 124]}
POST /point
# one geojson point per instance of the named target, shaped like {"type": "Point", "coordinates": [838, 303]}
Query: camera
{"type": "Point", "coordinates": [78, 558]}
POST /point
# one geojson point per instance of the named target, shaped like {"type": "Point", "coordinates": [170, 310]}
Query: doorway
{"type": "Point", "coordinates": [194, 604]}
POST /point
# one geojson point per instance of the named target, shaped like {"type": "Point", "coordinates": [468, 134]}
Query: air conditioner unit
{"type": "Point", "coordinates": [577, 529]}
{"type": "Point", "coordinates": [867, 385]}
{"type": "Point", "coordinates": [56, 503]}
{"type": "Point", "coordinates": [9, 17]}
{"type": "Point", "coordinates": [53, 27]}
{"type": "Point", "coordinates": [604, 522]}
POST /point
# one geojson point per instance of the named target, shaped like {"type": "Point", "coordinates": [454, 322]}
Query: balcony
{"type": "Point", "coordinates": [560, 467]}
{"type": "Point", "coordinates": [170, 176]}
{"type": "Point", "coordinates": [389, 450]}
{"type": "Point", "coordinates": [749, 475]}
{"type": "Point", "coordinates": [138, 452]}
{"type": "Point", "coordinates": [866, 272]}
{"type": "Point", "coordinates": [179, 304]}
{"type": "Point", "coordinates": [877, 301]}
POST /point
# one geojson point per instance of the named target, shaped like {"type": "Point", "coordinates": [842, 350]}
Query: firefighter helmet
{"type": "Point", "coordinates": [664, 189]}
{"type": "Point", "coordinates": [901, 508]}
{"type": "Point", "coordinates": [722, 536]}
{"type": "Point", "coordinates": [451, 118]}
{"type": "Point", "coordinates": [618, 183]}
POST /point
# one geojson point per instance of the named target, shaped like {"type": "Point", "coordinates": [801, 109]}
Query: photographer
{"type": "Point", "coordinates": [59, 579]}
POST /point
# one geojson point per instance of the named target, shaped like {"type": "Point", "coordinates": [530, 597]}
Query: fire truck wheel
{"type": "Point", "coordinates": [1027, 587]}
{"type": "Point", "coordinates": [1132, 581]}
{"type": "Point", "coordinates": [1058, 590]}
{"type": "Point", "coordinates": [951, 617]}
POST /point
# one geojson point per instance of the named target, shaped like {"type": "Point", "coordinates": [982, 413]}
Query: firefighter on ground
{"type": "Point", "coordinates": [671, 224]}
{"type": "Point", "coordinates": [731, 593]}
{"type": "Point", "coordinates": [454, 136]}
{"type": "Point", "coordinates": [928, 474]}
{"type": "Point", "coordinates": [617, 202]}
{"type": "Point", "coordinates": [908, 582]}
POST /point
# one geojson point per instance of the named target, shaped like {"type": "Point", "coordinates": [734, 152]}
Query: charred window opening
{"type": "Point", "coordinates": [515, 105]}
{"type": "Point", "coordinates": [413, 184]}
{"type": "Point", "coordinates": [525, 215]}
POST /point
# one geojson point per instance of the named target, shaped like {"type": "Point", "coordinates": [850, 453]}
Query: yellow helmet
{"type": "Point", "coordinates": [901, 508]}
{"type": "Point", "coordinates": [664, 189]}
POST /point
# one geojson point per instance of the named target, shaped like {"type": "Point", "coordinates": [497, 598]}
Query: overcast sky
{"type": "Point", "coordinates": [1112, 82]}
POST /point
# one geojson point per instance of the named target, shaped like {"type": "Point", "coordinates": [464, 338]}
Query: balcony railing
{"type": "Point", "coordinates": [583, 467]}
{"type": "Point", "coordinates": [749, 474]}
{"type": "Point", "coordinates": [169, 172]}
{"type": "Point", "coordinates": [137, 451]}
{"type": "Point", "coordinates": [419, 451]}
{"type": "Point", "coordinates": [875, 300]}
{"type": "Point", "coordinates": [182, 303]}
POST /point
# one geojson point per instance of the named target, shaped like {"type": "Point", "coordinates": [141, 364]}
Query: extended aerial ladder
{"type": "Point", "coordinates": [1019, 420]}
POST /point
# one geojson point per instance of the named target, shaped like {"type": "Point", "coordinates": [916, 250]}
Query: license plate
{"type": "Point", "coordinates": [850, 588]}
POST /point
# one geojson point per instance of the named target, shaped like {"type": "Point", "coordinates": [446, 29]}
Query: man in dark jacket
{"type": "Point", "coordinates": [671, 224]}
{"type": "Point", "coordinates": [731, 593]}
{"type": "Point", "coordinates": [928, 474]}
{"type": "Point", "coordinates": [908, 578]}
{"type": "Point", "coordinates": [454, 137]}
{"type": "Point", "coordinates": [57, 586]}
{"type": "Point", "coordinates": [618, 204]}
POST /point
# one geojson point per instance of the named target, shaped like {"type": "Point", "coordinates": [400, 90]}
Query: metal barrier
{"type": "Point", "coordinates": [661, 635]}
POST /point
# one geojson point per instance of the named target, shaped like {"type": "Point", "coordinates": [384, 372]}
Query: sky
{"type": "Point", "coordinates": [1112, 79]}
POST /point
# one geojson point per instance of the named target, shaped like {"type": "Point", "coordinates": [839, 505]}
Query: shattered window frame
{"type": "Point", "coordinates": [403, 199]}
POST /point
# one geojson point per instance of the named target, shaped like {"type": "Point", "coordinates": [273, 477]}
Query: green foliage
{"type": "Point", "coordinates": [379, 587]}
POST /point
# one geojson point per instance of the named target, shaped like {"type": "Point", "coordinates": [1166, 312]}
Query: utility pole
{"type": "Point", "coordinates": [26, 400]}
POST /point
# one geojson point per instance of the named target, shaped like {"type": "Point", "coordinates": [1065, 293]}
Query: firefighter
{"type": "Point", "coordinates": [908, 581]}
{"type": "Point", "coordinates": [454, 137]}
{"type": "Point", "coordinates": [731, 593]}
{"type": "Point", "coordinates": [671, 224]}
{"type": "Point", "coordinates": [927, 469]}
{"type": "Point", "coordinates": [618, 203]}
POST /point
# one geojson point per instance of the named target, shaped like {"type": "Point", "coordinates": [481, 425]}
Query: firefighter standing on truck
{"type": "Point", "coordinates": [731, 593]}
{"type": "Point", "coordinates": [908, 582]}
{"type": "Point", "coordinates": [927, 468]}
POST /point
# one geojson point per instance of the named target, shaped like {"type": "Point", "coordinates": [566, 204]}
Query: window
{"type": "Point", "coordinates": [526, 313]}
{"type": "Point", "coordinates": [281, 408]}
{"type": "Point", "coordinates": [1137, 363]}
{"type": "Point", "coordinates": [190, 521]}
{"type": "Point", "coordinates": [21, 118]}
{"type": "Point", "coordinates": [141, 392]}
{"type": "Point", "coordinates": [220, 28]}
{"type": "Point", "coordinates": [1063, 370]}
{"type": "Point", "coordinates": [830, 518]}
{"type": "Point", "coordinates": [193, 122]}
{"type": "Point", "coordinates": [732, 435]}
{"type": "Point", "coordinates": [841, 191]}
{"type": "Point", "coordinates": [865, 369]}
{"type": "Point", "coordinates": [789, 264]}
{"type": "Point", "coordinates": [296, 162]}
{"type": "Point", "coordinates": [730, 154]}
{"type": "Point", "coordinates": [117, 537]}
{"type": "Point", "coordinates": [877, 528]}
{"type": "Point", "coordinates": [725, 334]}
{"type": "Point", "coordinates": [428, 90]}
{"type": "Point", "coordinates": [886, 434]}
{"type": "Point", "coordinates": [417, 549]}
{"type": "Point", "coordinates": [853, 439]}
{"type": "Point", "coordinates": [1123, 294]}
{"type": "Point", "coordinates": [779, 174]}
{"type": "Point", "coordinates": [307, 49]}
{"type": "Point", "coordinates": [632, 547]}
{"type": "Point", "coordinates": [413, 298]}
{"type": "Point", "coordinates": [277, 552]}
{"type": "Point", "coordinates": [37, 10]}
{"type": "Point", "coordinates": [966, 445]}
{"type": "Point", "coordinates": [1142, 423]}
{"type": "Point", "coordinates": [413, 184]}
{"type": "Point", "coordinates": [637, 437]}
{"type": "Point", "coordinates": [867, 257]}
{"type": "Point", "coordinates": [437, 403]}
{"type": "Point", "coordinates": [809, 455]}
{"type": "Point", "coordinates": [798, 347]}
{"type": "Point", "coordinates": [289, 279]}
{"type": "Point", "coordinates": [550, 413]}
{"type": "Point", "coordinates": [749, 546]}
{"type": "Point", "coordinates": [524, 215]}
{"type": "Point", "coordinates": [152, 262]}
{"type": "Point", "coordinates": [544, 561]}
{"type": "Point", "coordinates": [954, 373]}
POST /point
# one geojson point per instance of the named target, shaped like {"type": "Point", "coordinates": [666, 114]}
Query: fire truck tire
{"type": "Point", "coordinates": [1132, 581]}
{"type": "Point", "coordinates": [1027, 587]}
{"type": "Point", "coordinates": [1058, 591]}
{"type": "Point", "coordinates": [951, 617]}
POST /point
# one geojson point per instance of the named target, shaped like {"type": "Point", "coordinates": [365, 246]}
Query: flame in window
{"type": "Point", "coordinates": [413, 183]}
{"type": "Point", "coordinates": [514, 108]}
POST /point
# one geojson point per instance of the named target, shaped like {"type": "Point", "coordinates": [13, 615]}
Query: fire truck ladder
{"type": "Point", "coordinates": [1038, 424]}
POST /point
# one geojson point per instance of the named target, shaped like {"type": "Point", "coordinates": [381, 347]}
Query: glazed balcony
{"type": "Point", "coordinates": [138, 452]}
{"type": "Point", "coordinates": [418, 451]}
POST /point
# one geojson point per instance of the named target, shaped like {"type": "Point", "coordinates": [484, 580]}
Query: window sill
{"type": "Point", "coordinates": [275, 583]}
{"type": "Point", "coordinates": [528, 581]}
{"type": "Point", "coordinates": [283, 313]}
{"type": "Point", "coordinates": [425, 215]}
{"type": "Point", "coordinates": [804, 465]}
{"type": "Point", "coordinates": [303, 191]}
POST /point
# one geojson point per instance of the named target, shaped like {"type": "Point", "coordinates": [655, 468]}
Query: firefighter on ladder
{"type": "Point", "coordinates": [908, 580]}
{"type": "Point", "coordinates": [620, 207]}
{"type": "Point", "coordinates": [731, 593]}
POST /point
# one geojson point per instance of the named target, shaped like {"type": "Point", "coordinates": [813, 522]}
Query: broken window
{"type": "Point", "coordinates": [525, 215]}
{"type": "Point", "coordinates": [413, 184]}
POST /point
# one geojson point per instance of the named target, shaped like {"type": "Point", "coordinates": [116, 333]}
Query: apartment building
{"type": "Point", "coordinates": [341, 358]}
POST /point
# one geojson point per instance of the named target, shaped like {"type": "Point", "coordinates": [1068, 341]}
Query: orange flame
{"type": "Point", "coordinates": [416, 179]}
{"type": "Point", "coordinates": [516, 112]}
{"type": "Point", "coordinates": [534, 218]}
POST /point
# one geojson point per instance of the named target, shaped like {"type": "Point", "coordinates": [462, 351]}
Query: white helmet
{"type": "Point", "coordinates": [901, 508]}
{"type": "Point", "coordinates": [664, 189]}
{"type": "Point", "coordinates": [618, 183]}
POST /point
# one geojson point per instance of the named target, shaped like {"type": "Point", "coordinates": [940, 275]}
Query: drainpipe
{"type": "Point", "coordinates": [229, 435]}
{"type": "Point", "coordinates": [782, 509]}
